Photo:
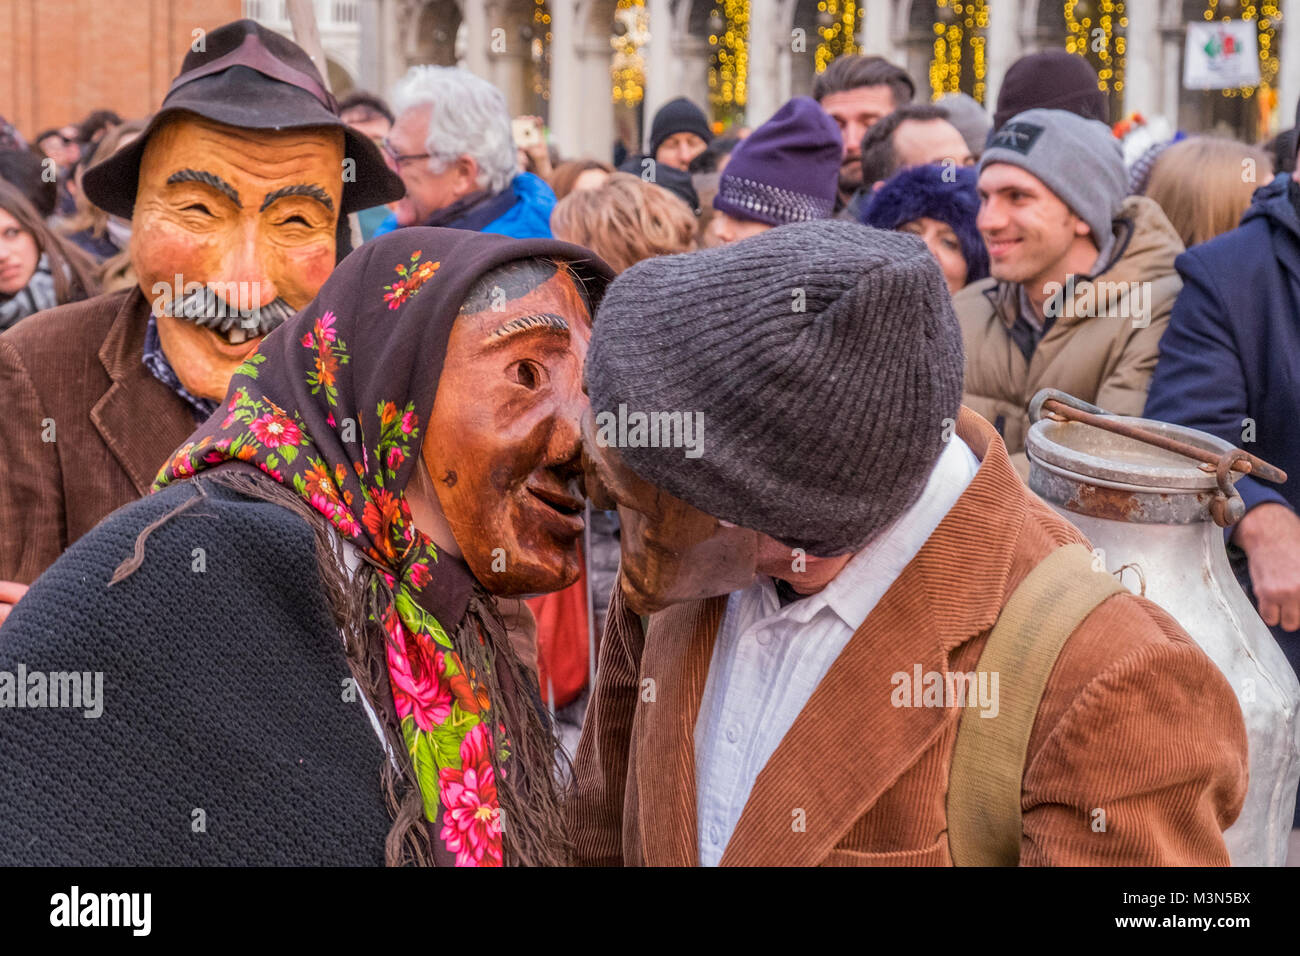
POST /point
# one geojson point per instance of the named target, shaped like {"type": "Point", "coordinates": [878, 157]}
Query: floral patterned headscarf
{"type": "Point", "coordinates": [332, 405]}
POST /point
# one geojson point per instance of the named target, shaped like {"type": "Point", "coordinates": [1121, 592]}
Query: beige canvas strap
{"type": "Point", "coordinates": [988, 758]}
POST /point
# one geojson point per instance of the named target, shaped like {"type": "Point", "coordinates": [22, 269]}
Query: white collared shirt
{"type": "Point", "coordinates": [768, 660]}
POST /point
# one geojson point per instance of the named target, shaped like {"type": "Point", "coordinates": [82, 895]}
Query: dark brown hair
{"type": "Point", "coordinates": [72, 271]}
{"type": "Point", "coordinates": [369, 104]}
{"type": "Point", "coordinates": [854, 71]}
{"type": "Point", "coordinates": [879, 161]}
{"type": "Point", "coordinates": [565, 176]}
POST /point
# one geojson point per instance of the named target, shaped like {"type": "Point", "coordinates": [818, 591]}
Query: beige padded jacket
{"type": "Point", "coordinates": [1102, 348]}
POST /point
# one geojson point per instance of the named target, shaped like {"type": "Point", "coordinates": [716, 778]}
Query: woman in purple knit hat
{"type": "Point", "coordinates": [784, 172]}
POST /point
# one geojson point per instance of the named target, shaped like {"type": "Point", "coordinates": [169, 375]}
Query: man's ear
{"type": "Point", "coordinates": [1081, 228]}
{"type": "Point", "coordinates": [467, 174]}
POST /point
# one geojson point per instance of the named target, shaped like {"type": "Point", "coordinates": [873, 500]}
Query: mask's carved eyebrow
{"type": "Point", "coordinates": [539, 321]}
{"type": "Point", "coordinates": [301, 189]}
{"type": "Point", "coordinates": [208, 179]}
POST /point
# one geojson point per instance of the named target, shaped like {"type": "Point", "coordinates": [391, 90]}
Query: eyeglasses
{"type": "Point", "coordinates": [397, 157]}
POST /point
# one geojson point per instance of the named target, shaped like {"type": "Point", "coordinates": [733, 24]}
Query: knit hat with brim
{"type": "Point", "coordinates": [819, 363]}
{"type": "Point", "coordinates": [251, 78]}
{"type": "Point", "coordinates": [786, 170]}
{"type": "Point", "coordinates": [934, 192]}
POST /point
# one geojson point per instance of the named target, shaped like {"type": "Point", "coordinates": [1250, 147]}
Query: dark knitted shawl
{"type": "Point", "coordinates": [230, 731]}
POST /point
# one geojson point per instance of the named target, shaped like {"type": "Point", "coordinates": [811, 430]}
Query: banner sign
{"type": "Point", "coordinates": [1221, 55]}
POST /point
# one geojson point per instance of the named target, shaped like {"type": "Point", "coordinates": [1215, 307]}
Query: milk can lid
{"type": "Point", "coordinates": [1095, 454]}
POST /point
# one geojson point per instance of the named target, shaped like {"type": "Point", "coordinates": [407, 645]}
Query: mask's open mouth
{"type": "Point", "coordinates": [205, 308]}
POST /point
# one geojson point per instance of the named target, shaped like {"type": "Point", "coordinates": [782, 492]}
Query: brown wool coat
{"type": "Point", "coordinates": [1095, 354]}
{"type": "Point", "coordinates": [114, 424]}
{"type": "Point", "coordinates": [1135, 720]}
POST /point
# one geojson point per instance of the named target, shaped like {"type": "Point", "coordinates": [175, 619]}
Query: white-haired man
{"type": "Point", "coordinates": [453, 148]}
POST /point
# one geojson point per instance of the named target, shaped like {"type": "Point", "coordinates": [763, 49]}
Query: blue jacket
{"type": "Point", "coordinates": [529, 217]}
{"type": "Point", "coordinates": [1232, 349]}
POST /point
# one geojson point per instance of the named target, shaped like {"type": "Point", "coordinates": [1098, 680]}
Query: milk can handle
{"type": "Point", "coordinates": [1227, 507]}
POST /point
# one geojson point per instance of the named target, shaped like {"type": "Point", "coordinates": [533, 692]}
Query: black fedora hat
{"type": "Point", "coordinates": [251, 78]}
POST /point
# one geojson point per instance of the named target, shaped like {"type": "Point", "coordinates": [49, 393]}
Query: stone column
{"type": "Point", "coordinates": [875, 29]}
{"type": "Point", "coordinates": [1288, 79]}
{"type": "Point", "coordinates": [661, 70]}
{"type": "Point", "coordinates": [1001, 48]}
{"type": "Point", "coordinates": [568, 95]}
{"type": "Point", "coordinates": [691, 66]}
{"type": "Point", "coordinates": [370, 14]}
{"type": "Point", "coordinates": [1171, 44]}
{"type": "Point", "coordinates": [478, 37]}
{"type": "Point", "coordinates": [1142, 67]}
{"type": "Point", "coordinates": [762, 97]}
{"type": "Point", "coordinates": [595, 132]}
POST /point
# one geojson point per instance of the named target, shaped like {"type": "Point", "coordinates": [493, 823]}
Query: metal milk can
{"type": "Point", "coordinates": [1154, 498]}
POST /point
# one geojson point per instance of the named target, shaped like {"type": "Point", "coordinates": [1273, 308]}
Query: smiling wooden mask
{"type": "Point", "coordinates": [233, 231]}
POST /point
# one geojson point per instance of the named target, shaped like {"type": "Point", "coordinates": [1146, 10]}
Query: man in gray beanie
{"type": "Point", "coordinates": [1082, 278]}
{"type": "Point", "coordinates": [823, 540]}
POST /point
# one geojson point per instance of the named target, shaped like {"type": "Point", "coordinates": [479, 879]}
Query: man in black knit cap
{"type": "Point", "coordinates": [680, 132]}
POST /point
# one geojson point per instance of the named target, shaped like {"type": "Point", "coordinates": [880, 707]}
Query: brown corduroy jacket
{"type": "Point", "coordinates": [1135, 721]}
{"type": "Point", "coordinates": [75, 375]}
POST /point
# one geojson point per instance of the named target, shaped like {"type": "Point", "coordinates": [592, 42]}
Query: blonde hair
{"type": "Point", "coordinates": [625, 220]}
{"type": "Point", "coordinates": [1204, 184]}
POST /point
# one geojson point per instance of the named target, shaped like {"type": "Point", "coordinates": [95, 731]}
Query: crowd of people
{"type": "Point", "coordinates": [268, 427]}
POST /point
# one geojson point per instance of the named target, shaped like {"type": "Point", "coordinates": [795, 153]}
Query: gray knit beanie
{"type": "Point", "coordinates": [1078, 159]}
{"type": "Point", "coordinates": [813, 369]}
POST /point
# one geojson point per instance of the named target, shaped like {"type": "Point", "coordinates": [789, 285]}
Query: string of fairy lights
{"type": "Point", "coordinates": [837, 31]}
{"type": "Point", "coordinates": [729, 38]}
{"type": "Point", "coordinates": [539, 37]}
{"type": "Point", "coordinates": [959, 37]}
{"type": "Point", "coordinates": [1095, 30]}
{"type": "Point", "coordinates": [627, 70]}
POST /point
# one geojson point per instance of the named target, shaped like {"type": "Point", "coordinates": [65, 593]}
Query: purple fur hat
{"type": "Point", "coordinates": [921, 192]}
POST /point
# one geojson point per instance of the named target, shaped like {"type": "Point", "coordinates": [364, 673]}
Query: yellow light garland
{"type": "Point", "coordinates": [1108, 61]}
{"type": "Point", "coordinates": [541, 49]}
{"type": "Point", "coordinates": [841, 36]}
{"type": "Point", "coordinates": [628, 67]}
{"type": "Point", "coordinates": [966, 29]}
{"type": "Point", "coordinates": [729, 71]}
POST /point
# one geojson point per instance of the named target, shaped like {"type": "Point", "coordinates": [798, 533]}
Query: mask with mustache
{"type": "Point", "coordinates": [233, 231]}
{"type": "Point", "coordinates": [206, 308]}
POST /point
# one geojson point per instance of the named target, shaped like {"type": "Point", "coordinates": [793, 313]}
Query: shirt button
{"type": "Point", "coordinates": [714, 836]}
{"type": "Point", "coordinates": [765, 638]}
{"type": "Point", "coordinates": [733, 732]}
